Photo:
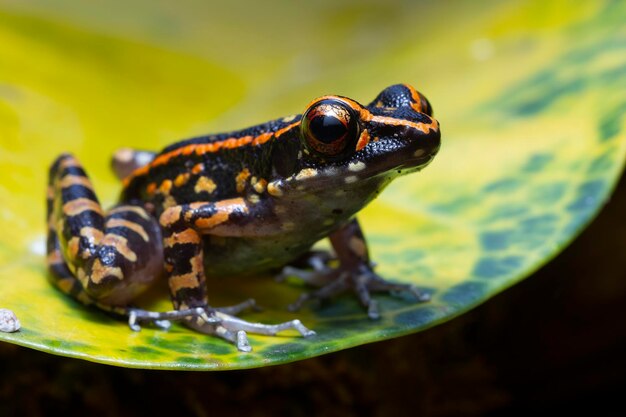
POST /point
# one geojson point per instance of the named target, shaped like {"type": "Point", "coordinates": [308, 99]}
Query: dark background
{"type": "Point", "coordinates": [556, 342]}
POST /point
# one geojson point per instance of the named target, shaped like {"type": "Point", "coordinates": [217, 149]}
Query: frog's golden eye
{"type": "Point", "coordinates": [329, 126]}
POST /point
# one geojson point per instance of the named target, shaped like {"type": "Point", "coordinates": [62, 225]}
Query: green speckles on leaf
{"type": "Point", "coordinates": [537, 163]}
{"type": "Point", "coordinates": [495, 267]}
{"type": "Point", "coordinates": [612, 123]}
{"type": "Point", "coordinates": [465, 293]}
{"type": "Point", "coordinates": [551, 193]}
{"type": "Point", "coordinates": [503, 186]}
{"type": "Point", "coordinates": [418, 316]}
{"type": "Point", "coordinates": [533, 140]}
{"type": "Point", "coordinates": [588, 195]}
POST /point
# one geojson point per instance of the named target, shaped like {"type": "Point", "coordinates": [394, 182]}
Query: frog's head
{"type": "Point", "coordinates": [344, 142]}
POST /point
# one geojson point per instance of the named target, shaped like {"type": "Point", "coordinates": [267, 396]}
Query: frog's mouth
{"type": "Point", "coordinates": [400, 156]}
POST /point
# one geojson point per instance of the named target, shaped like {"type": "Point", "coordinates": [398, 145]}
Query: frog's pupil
{"type": "Point", "coordinates": [327, 129]}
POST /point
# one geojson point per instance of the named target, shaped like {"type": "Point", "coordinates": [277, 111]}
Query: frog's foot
{"type": "Point", "coordinates": [216, 321]}
{"type": "Point", "coordinates": [362, 280]}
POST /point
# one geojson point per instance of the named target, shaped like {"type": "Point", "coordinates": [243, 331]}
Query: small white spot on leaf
{"type": "Point", "coordinates": [8, 321]}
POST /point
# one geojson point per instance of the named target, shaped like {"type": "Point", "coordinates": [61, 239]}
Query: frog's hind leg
{"type": "Point", "coordinates": [98, 259]}
{"type": "Point", "coordinates": [126, 160]}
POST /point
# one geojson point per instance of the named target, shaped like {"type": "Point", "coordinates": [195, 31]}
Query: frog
{"type": "Point", "coordinates": [245, 203]}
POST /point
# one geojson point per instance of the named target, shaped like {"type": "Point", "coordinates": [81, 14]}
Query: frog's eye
{"type": "Point", "coordinates": [329, 126]}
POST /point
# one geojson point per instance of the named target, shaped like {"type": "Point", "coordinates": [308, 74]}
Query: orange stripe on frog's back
{"type": "Point", "coordinates": [204, 148]}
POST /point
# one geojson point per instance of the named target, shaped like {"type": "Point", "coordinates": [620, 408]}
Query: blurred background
{"type": "Point", "coordinates": [81, 76]}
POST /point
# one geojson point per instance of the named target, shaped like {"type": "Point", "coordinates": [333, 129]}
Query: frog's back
{"type": "Point", "coordinates": [207, 168]}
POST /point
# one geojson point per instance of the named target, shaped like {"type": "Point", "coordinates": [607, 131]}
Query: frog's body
{"type": "Point", "coordinates": [238, 203]}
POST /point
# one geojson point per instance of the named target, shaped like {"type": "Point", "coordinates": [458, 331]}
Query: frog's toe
{"type": "Point", "coordinates": [236, 324]}
{"type": "Point", "coordinates": [242, 343]}
{"type": "Point", "coordinates": [328, 291]}
{"type": "Point", "coordinates": [235, 330]}
{"type": "Point", "coordinates": [362, 282]}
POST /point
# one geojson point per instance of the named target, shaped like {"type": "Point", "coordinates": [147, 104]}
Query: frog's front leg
{"type": "Point", "coordinates": [355, 271]}
{"type": "Point", "coordinates": [183, 227]}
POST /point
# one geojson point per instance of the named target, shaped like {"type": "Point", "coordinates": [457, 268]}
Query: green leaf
{"type": "Point", "coordinates": [530, 99]}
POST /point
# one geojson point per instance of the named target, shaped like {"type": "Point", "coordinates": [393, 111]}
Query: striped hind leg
{"type": "Point", "coordinates": [104, 260]}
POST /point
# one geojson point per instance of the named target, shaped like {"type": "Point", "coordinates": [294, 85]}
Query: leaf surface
{"type": "Point", "coordinates": [530, 99]}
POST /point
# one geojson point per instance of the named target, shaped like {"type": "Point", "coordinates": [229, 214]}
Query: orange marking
{"type": "Point", "coordinates": [135, 209]}
{"type": "Point", "coordinates": [120, 244]}
{"type": "Point", "coordinates": [82, 277]}
{"type": "Point", "coordinates": [165, 187]}
{"type": "Point", "coordinates": [170, 216]}
{"type": "Point", "coordinates": [181, 179]}
{"type": "Point", "coordinates": [77, 206]}
{"type": "Point", "coordinates": [99, 272]}
{"type": "Point", "coordinates": [93, 235]}
{"type": "Point", "coordinates": [151, 188]}
{"type": "Point", "coordinates": [417, 100]}
{"type": "Point", "coordinates": [280, 132]}
{"type": "Point", "coordinates": [186, 236]}
{"type": "Point", "coordinates": [262, 138]}
{"type": "Point", "coordinates": [232, 204]}
{"type": "Point", "coordinates": [198, 168]}
{"type": "Point", "coordinates": [54, 257]}
{"type": "Point", "coordinates": [65, 285]}
{"type": "Point", "coordinates": [241, 178]}
{"type": "Point", "coordinates": [423, 127]}
{"type": "Point", "coordinates": [260, 185]}
{"type": "Point", "coordinates": [69, 180]}
{"type": "Point", "coordinates": [203, 148]}
{"type": "Point", "coordinates": [197, 264]}
{"type": "Point", "coordinates": [137, 228]}
{"type": "Point", "coordinates": [179, 282]}
{"type": "Point", "coordinates": [364, 139]}
{"type": "Point", "coordinates": [205, 184]}
{"type": "Point", "coordinates": [72, 247]}
{"type": "Point", "coordinates": [190, 280]}
{"type": "Point", "coordinates": [210, 222]}
{"type": "Point", "coordinates": [224, 209]}
{"type": "Point", "coordinates": [274, 189]}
